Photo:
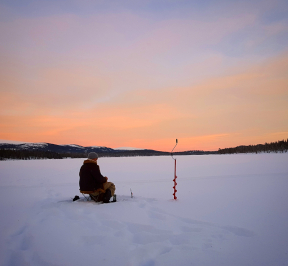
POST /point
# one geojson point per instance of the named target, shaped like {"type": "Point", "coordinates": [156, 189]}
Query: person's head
{"type": "Point", "coordinates": [93, 156]}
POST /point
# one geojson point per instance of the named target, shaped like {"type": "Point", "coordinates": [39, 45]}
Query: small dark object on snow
{"type": "Point", "coordinates": [107, 196]}
{"type": "Point", "coordinates": [76, 198]}
{"type": "Point", "coordinates": [114, 198]}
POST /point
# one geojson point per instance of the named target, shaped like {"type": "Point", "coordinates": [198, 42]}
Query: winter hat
{"type": "Point", "coordinates": [92, 155]}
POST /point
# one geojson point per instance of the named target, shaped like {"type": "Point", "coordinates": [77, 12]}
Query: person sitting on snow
{"type": "Point", "coordinates": [92, 182]}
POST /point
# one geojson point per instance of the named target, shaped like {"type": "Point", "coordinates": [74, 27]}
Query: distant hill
{"type": "Point", "coordinates": [49, 150]}
{"type": "Point", "coordinates": [72, 148]}
{"type": "Point", "coordinates": [26, 151]}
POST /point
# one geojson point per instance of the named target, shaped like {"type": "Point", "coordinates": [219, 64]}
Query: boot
{"type": "Point", "coordinates": [107, 196]}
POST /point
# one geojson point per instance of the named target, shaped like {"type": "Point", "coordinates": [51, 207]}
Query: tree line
{"type": "Point", "coordinates": [6, 154]}
{"type": "Point", "coordinates": [278, 146]}
{"type": "Point", "coordinates": [36, 154]}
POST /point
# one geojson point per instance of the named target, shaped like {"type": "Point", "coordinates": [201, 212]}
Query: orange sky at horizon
{"type": "Point", "coordinates": [154, 119]}
{"type": "Point", "coordinates": [126, 78]}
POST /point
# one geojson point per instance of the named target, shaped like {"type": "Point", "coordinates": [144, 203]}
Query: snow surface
{"type": "Point", "coordinates": [72, 145]}
{"type": "Point", "coordinates": [34, 145]}
{"type": "Point", "coordinates": [231, 211]}
{"type": "Point", "coordinates": [25, 145]}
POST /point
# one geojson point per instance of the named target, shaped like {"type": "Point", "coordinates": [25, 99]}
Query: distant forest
{"type": "Point", "coordinates": [35, 154]}
{"type": "Point", "coordinates": [40, 154]}
{"type": "Point", "coordinates": [278, 146]}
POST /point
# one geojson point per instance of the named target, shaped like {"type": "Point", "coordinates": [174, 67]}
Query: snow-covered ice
{"type": "Point", "coordinates": [231, 211]}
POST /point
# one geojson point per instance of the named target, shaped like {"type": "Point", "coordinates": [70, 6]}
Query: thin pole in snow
{"type": "Point", "coordinates": [131, 193]}
{"type": "Point", "coordinates": [175, 176]}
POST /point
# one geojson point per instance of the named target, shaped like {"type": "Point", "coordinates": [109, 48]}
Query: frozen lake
{"type": "Point", "coordinates": [231, 210]}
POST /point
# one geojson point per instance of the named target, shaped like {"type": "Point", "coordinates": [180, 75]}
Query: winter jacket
{"type": "Point", "coordinates": [90, 176]}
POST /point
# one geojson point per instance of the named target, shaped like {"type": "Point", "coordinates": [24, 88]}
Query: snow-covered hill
{"type": "Point", "coordinates": [69, 148]}
{"type": "Point", "coordinates": [128, 149]}
{"type": "Point", "coordinates": [77, 149]}
{"type": "Point", "coordinates": [72, 150]}
{"type": "Point", "coordinates": [231, 210]}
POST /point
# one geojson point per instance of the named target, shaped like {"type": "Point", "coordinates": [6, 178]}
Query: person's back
{"type": "Point", "coordinates": [93, 182]}
{"type": "Point", "coordinates": [91, 178]}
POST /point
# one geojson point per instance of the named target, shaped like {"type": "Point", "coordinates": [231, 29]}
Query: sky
{"type": "Point", "coordinates": [213, 74]}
